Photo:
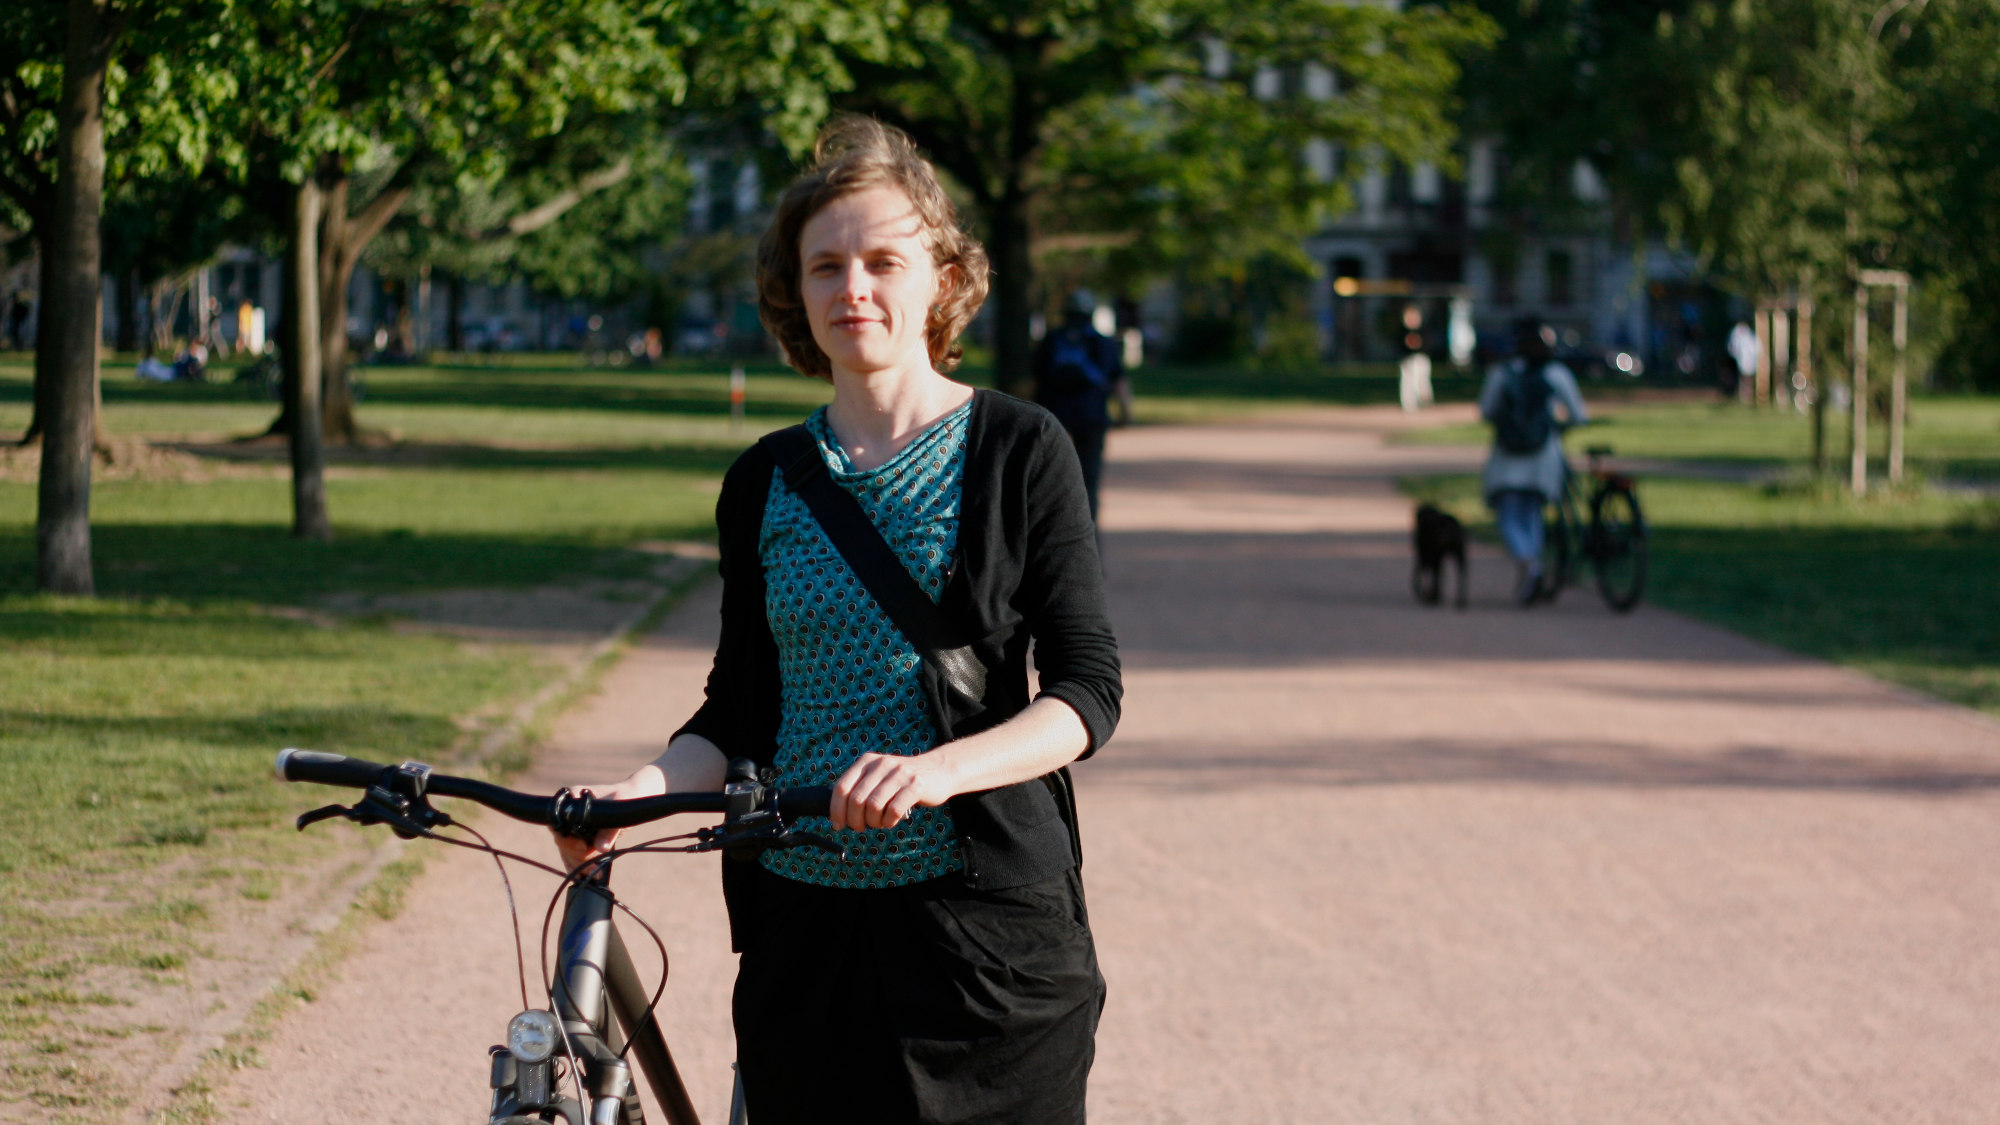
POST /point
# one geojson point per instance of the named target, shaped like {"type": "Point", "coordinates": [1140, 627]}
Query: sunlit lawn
{"type": "Point", "coordinates": [139, 727]}
{"type": "Point", "coordinates": [1948, 436]}
{"type": "Point", "coordinates": [554, 402]}
{"type": "Point", "coordinates": [1197, 392]}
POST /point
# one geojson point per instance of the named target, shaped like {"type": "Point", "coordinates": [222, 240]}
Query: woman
{"type": "Point", "coordinates": [1526, 467]}
{"type": "Point", "coordinates": [942, 971]}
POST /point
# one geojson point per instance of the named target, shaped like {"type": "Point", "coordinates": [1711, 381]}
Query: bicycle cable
{"type": "Point", "coordinates": [513, 912]}
{"type": "Point", "coordinates": [566, 877]}
{"type": "Point", "coordinates": [566, 880]}
{"type": "Point", "coordinates": [575, 877]}
{"type": "Point", "coordinates": [598, 862]}
{"type": "Point", "coordinates": [666, 964]}
{"type": "Point", "coordinates": [549, 983]}
{"type": "Point", "coordinates": [666, 968]}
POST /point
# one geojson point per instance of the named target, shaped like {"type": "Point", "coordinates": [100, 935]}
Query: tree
{"type": "Point", "coordinates": [70, 312]}
{"type": "Point", "coordinates": [157, 231]}
{"type": "Point", "coordinates": [97, 90]}
{"type": "Point", "coordinates": [1944, 149]}
{"type": "Point", "coordinates": [1787, 143]}
{"type": "Point", "coordinates": [404, 87]}
{"type": "Point", "coordinates": [163, 87]}
{"type": "Point", "coordinates": [1141, 115]}
{"type": "Point", "coordinates": [577, 214]}
{"type": "Point", "coordinates": [33, 42]}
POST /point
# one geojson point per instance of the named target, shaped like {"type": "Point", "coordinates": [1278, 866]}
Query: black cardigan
{"type": "Point", "coordinates": [1026, 569]}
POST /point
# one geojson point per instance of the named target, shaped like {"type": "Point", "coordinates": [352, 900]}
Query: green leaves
{"type": "Point", "coordinates": [1138, 125]}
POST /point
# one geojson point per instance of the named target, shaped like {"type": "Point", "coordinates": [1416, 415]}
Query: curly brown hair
{"type": "Point", "coordinates": [854, 154]}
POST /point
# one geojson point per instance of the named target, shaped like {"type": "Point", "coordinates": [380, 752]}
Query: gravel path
{"type": "Point", "coordinates": [1352, 860]}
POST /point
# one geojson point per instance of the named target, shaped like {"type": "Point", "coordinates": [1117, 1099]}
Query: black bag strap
{"type": "Point", "coordinates": [874, 562]}
{"type": "Point", "coordinates": [921, 620]}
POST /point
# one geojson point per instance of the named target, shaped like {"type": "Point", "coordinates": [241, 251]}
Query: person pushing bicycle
{"type": "Point", "coordinates": [885, 569]}
{"type": "Point", "coordinates": [1525, 469]}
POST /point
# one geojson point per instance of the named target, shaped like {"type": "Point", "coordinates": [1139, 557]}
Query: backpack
{"type": "Point", "coordinates": [1521, 419]}
{"type": "Point", "coordinates": [1073, 367]}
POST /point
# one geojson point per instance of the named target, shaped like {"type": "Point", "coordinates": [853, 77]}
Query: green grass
{"type": "Point", "coordinates": [138, 728]}
{"type": "Point", "coordinates": [1899, 586]}
{"type": "Point", "coordinates": [1948, 436]}
{"type": "Point", "coordinates": [538, 471]}
{"type": "Point", "coordinates": [141, 729]}
{"type": "Point", "coordinates": [395, 531]}
{"type": "Point", "coordinates": [539, 400]}
{"type": "Point", "coordinates": [1194, 393]}
{"type": "Point", "coordinates": [139, 810]}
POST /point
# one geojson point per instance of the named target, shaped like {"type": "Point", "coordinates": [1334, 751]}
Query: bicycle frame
{"type": "Point", "coordinates": [602, 1003]}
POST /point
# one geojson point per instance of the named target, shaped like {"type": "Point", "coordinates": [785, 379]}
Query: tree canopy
{"type": "Point", "coordinates": [1787, 143]}
{"type": "Point", "coordinates": [1147, 127]}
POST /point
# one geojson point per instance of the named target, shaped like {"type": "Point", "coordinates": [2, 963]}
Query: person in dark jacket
{"type": "Point", "coordinates": [943, 970]}
{"type": "Point", "coordinates": [1078, 370]}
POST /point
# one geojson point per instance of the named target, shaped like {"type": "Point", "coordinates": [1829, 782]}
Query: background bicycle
{"type": "Point", "coordinates": [1597, 520]}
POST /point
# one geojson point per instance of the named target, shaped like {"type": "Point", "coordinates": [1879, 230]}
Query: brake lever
{"type": "Point", "coordinates": [404, 817]}
{"type": "Point", "coordinates": [745, 838]}
{"type": "Point", "coordinates": [327, 813]}
{"type": "Point", "coordinates": [813, 840]}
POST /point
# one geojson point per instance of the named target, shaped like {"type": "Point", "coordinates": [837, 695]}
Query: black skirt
{"type": "Point", "coordinates": [930, 1003]}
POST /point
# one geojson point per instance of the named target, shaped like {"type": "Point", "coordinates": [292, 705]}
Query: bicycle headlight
{"type": "Point", "coordinates": [533, 1036]}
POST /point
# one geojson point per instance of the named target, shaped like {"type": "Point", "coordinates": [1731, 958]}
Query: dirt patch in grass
{"type": "Point", "coordinates": [561, 619]}
{"type": "Point", "coordinates": [123, 458]}
{"type": "Point", "coordinates": [180, 972]}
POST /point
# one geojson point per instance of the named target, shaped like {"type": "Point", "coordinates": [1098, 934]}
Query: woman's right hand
{"type": "Point", "coordinates": [646, 781]}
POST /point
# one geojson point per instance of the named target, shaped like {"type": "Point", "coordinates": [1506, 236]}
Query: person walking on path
{"type": "Point", "coordinates": [943, 969]}
{"type": "Point", "coordinates": [1413, 382]}
{"type": "Point", "coordinates": [1077, 371]}
{"type": "Point", "coordinates": [1520, 398]}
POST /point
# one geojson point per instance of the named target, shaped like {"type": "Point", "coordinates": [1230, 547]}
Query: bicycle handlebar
{"type": "Point", "coordinates": [575, 812]}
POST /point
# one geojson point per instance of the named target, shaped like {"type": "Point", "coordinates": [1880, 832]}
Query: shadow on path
{"type": "Point", "coordinates": [1595, 763]}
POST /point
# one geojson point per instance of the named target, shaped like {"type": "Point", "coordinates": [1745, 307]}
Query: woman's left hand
{"type": "Point", "coordinates": [879, 790]}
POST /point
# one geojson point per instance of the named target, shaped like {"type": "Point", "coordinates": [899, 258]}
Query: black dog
{"type": "Point", "coordinates": [1439, 537]}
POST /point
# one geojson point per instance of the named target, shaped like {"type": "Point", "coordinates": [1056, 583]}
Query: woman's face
{"type": "Point", "coordinates": [869, 282]}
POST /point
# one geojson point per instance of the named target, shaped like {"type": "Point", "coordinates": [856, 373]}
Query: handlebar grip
{"type": "Point", "coordinates": [327, 769]}
{"type": "Point", "coordinates": [810, 800]}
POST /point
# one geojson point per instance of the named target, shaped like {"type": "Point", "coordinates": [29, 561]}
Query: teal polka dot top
{"type": "Point", "coordinates": [851, 681]}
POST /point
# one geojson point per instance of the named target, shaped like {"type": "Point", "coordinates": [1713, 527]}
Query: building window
{"type": "Point", "coordinates": [1426, 184]}
{"type": "Point", "coordinates": [1320, 160]}
{"type": "Point", "coordinates": [1399, 184]}
{"type": "Point", "coordinates": [1559, 278]}
{"type": "Point", "coordinates": [721, 195]}
{"type": "Point", "coordinates": [1505, 270]}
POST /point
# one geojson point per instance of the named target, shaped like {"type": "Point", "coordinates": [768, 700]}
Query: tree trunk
{"type": "Point", "coordinates": [339, 240]}
{"type": "Point", "coordinates": [344, 237]}
{"type": "Point", "coordinates": [405, 331]}
{"type": "Point", "coordinates": [73, 307]}
{"type": "Point", "coordinates": [336, 268]}
{"type": "Point", "coordinates": [416, 323]}
{"type": "Point", "coordinates": [1013, 292]}
{"type": "Point", "coordinates": [454, 312]}
{"type": "Point", "coordinates": [163, 314]}
{"type": "Point", "coordinates": [300, 349]}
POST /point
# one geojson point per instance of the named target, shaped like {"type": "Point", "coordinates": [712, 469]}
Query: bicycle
{"type": "Point", "coordinates": [1614, 541]}
{"type": "Point", "coordinates": [599, 1014]}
